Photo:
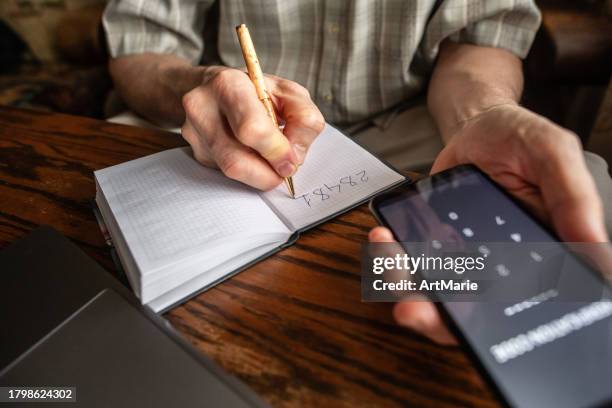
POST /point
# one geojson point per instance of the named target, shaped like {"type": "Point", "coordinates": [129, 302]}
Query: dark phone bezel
{"type": "Point", "coordinates": [405, 190]}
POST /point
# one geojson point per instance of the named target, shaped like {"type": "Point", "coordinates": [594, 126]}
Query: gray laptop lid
{"type": "Point", "coordinates": [116, 357]}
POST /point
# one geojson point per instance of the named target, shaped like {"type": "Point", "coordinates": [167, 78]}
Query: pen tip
{"type": "Point", "coordinates": [289, 182]}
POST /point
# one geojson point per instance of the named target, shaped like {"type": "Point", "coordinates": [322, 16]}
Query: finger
{"type": "Point", "coordinates": [445, 160]}
{"type": "Point", "coordinates": [422, 317]}
{"type": "Point", "coordinates": [569, 193]}
{"type": "Point", "coordinates": [303, 120]}
{"type": "Point", "coordinates": [380, 234]}
{"type": "Point", "coordinates": [214, 145]}
{"type": "Point", "coordinates": [250, 123]}
{"type": "Point", "coordinates": [242, 164]}
{"type": "Point", "coordinates": [598, 256]}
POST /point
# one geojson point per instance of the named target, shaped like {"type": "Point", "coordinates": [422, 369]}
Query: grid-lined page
{"type": "Point", "coordinates": [336, 174]}
{"type": "Point", "coordinates": [170, 207]}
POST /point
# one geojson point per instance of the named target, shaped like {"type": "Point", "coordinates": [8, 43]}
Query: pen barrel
{"type": "Point", "coordinates": [270, 109]}
{"type": "Point", "coordinates": [252, 62]}
{"type": "Point", "coordinates": [257, 77]}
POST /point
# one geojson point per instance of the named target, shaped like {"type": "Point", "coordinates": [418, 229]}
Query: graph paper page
{"type": "Point", "coordinates": [169, 208]}
{"type": "Point", "coordinates": [336, 174]}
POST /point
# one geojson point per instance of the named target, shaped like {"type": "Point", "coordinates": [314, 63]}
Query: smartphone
{"type": "Point", "coordinates": [569, 370]}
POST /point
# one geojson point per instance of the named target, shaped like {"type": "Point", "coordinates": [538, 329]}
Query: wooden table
{"type": "Point", "coordinates": [292, 327]}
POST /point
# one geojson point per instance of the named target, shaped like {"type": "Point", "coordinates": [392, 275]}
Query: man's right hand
{"type": "Point", "coordinates": [228, 127]}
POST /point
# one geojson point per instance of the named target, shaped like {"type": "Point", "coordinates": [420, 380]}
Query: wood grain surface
{"type": "Point", "coordinates": [292, 327]}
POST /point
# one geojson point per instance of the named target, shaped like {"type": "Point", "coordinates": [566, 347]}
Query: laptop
{"type": "Point", "coordinates": [68, 323]}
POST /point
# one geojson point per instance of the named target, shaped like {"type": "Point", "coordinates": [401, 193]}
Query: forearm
{"type": "Point", "coordinates": [470, 79]}
{"type": "Point", "coordinates": [153, 85]}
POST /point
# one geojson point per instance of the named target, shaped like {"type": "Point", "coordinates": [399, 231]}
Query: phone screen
{"type": "Point", "coordinates": [570, 363]}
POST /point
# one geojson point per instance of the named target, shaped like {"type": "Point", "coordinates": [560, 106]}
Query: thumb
{"type": "Point", "coordinates": [572, 199]}
{"type": "Point", "coordinates": [445, 159]}
{"type": "Point", "coordinates": [580, 219]}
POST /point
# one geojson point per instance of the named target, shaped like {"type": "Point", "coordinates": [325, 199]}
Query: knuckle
{"type": "Point", "coordinates": [202, 158]}
{"type": "Point", "coordinates": [190, 102]}
{"type": "Point", "coordinates": [252, 131]}
{"type": "Point", "coordinates": [226, 81]}
{"type": "Point", "coordinates": [554, 145]}
{"type": "Point", "coordinates": [232, 166]}
{"type": "Point", "coordinates": [293, 87]}
{"type": "Point", "coordinates": [570, 139]}
{"type": "Point", "coordinates": [313, 120]}
{"type": "Point", "coordinates": [559, 141]}
{"type": "Point", "coordinates": [213, 143]}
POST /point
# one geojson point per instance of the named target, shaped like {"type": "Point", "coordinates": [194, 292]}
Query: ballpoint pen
{"type": "Point", "coordinates": [257, 77]}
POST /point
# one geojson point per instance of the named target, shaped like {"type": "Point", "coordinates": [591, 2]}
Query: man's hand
{"type": "Point", "coordinates": [539, 163]}
{"type": "Point", "coordinates": [535, 160]}
{"type": "Point", "coordinates": [228, 127]}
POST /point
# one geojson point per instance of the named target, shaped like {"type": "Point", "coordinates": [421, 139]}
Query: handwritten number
{"type": "Point", "coordinates": [319, 192]}
{"type": "Point", "coordinates": [348, 180]}
{"type": "Point", "coordinates": [305, 197]}
{"type": "Point", "coordinates": [332, 187]}
{"type": "Point", "coordinates": [363, 178]}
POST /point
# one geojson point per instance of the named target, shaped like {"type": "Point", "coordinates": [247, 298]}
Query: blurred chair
{"type": "Point", "coordinates": [569, 66]}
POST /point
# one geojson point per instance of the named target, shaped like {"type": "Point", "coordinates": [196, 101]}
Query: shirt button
{"type": "Point", "coordinates": [328, 98]}
{"type": "Point", "coordinates": [334, 28]}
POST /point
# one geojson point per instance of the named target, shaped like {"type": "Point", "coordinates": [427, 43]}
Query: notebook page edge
{"type": "Point", "coordinates": [204, 281]}
{"type": "Point", "coordinates": [125, 256]}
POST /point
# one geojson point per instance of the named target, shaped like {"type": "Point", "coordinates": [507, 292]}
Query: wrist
{"type": "Point", "coordinates": [469, 80]}
{"type": "Point", "coordinates": [207, 73]}
{"type": "Point", "coordinates": [468, 110]}
{"type": "Point", "coordinates": [180, 78]}
{"type": "Point", "coordinates": [471, 113]}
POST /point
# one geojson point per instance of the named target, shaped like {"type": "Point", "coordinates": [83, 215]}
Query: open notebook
{"type": "Point", "coordinates": [180, 227]}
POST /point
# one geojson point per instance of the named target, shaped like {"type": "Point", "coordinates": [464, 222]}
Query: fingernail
{"type": "Point", "coordinates": [286, 169]}
{"type": "Point", "coordinates": [300, 152]}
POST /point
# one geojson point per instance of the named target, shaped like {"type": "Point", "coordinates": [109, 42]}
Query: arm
{"type": "Point", "coordinates": [473, 97]}
{"type": "Point", "coordinates": [469, 79]}
{"type": "Point", "coordinates": [155, 49]}
{"type": "Point", "coordinates": [153, 85]}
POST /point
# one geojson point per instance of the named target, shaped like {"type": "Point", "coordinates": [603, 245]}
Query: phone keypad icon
{"type": "Point", "coordinates": [502, 270]}
{"type": "Point", "coordinates": [483, 249]}
{"type": "Point", "coordinates": [536, 256]}
{"type": "Point", "coordinates": [468, 232]}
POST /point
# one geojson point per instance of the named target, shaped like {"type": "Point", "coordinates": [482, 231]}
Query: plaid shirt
{"type": "Point", "coordinates": [356, 57]}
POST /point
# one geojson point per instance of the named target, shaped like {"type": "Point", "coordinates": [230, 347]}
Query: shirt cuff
{"type": "Point", "coordinates": [513, 30]}
{"type": "Point", "coordinates": [130, 31]}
